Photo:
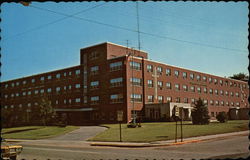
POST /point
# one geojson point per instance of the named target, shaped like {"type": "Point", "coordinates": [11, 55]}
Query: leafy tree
{"type": "Point", "coordinates": [222, 117]}
{"type": "Point", "coordinates": [200, 113]}
{"type": "Point", "coordinates": [240, 76]}
{"type": "Point", "coordinates": [46, 111]}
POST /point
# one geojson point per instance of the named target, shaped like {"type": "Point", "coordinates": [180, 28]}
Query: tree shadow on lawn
{"type": "Point", "coordinates": [16, 131]}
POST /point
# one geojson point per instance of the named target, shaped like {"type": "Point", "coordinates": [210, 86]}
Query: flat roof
{"type": "Point", "coordinates": [112, 44]}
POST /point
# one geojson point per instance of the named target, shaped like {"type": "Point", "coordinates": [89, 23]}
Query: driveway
{"type": "Point", "coordinates": [81, 134]}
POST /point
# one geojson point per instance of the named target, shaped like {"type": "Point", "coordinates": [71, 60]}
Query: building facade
{"type": "Point", "coordinates": [111, 77]}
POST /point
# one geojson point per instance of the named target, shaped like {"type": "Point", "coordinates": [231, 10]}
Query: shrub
{"type": "Point", "coordinates": [222, 117]}
{"type": "Point", "coordinates": [200, 113]}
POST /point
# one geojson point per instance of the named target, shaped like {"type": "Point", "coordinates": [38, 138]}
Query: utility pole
{"type": "Point", "coordinates": [138, 25]}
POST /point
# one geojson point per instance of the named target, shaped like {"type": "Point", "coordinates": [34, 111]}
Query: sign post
{"type": "Point", "coordinates": [181, 124]}
{"type": "Point", "coordinates": [119, 119]}
{"type": "Point", "coordinates": [176, 115]}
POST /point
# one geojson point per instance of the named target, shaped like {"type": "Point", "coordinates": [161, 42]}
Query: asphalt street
{"type": "Point", "coordinates": [66, 150]}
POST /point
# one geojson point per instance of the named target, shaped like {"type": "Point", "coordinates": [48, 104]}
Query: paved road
{"type": "Point", "coordinates": [237, 145]}
{"type": "Point", "coordinates": [84, 133]}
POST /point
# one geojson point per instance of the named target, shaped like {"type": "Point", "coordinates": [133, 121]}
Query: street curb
{"type": "Point", "coordinates": [139, 145]}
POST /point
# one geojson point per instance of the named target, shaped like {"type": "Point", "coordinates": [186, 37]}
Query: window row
{"type": "Point", "coordinates": [192, 76]}
{"type": "Point", "coordinates": [42, 78]}
{"type": "Point", "coordinates": [41, 91]}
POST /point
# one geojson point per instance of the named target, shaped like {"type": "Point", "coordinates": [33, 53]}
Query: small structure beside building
{"type": "Point", "coordinates": [164, 111]}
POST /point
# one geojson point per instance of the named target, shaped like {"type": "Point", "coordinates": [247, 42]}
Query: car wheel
{"type": "Point", "coordinates": [13, 158]}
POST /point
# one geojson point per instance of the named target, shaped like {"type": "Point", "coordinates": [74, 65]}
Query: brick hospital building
{"type": "Point", "coordinates": [111, 77]}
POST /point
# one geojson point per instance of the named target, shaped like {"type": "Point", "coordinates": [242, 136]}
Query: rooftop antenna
{"type": "Point", "coordinates": [138, 25]}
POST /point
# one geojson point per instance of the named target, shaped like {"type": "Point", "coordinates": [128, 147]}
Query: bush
{"type": "Point", "coordinates": [222, 117]}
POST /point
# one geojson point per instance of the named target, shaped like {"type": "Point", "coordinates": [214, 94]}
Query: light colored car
{"type": "Point", "coordinates": [9, 151]}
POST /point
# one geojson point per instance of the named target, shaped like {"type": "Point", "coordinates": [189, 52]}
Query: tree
{"type": "Point", "coordinates": [200, 113]}
{"type": "Point", "coordinates": [46, 111]}
{"type": "Point", "coordinates": [222, 117]}
{"type": "Point", "coordinates": [240, 76]}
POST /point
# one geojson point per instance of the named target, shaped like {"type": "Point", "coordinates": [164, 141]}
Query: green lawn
{"type": "Point", "coordinates": [36, 132]}
{"type": "Point", "coordinates": [166, 130]}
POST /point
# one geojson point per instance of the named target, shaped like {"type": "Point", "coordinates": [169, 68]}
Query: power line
{"type": "Point", "coordinates": [145, 33]}
{"type": "Point", "coordinates": [55, 21]}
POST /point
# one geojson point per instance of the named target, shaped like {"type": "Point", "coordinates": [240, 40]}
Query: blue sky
{"type": "Point", "coordinates": [210, 37]}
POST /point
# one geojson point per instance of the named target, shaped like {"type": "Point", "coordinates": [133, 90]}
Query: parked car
{"type": "Point", "coordinates": [9, 151]}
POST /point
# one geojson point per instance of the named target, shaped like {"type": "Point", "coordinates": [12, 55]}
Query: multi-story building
{"type": "Point", "coordinates": [111, 77]}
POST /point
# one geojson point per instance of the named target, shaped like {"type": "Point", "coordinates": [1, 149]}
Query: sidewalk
{"type": "Point", "coordinates": [171, 142]}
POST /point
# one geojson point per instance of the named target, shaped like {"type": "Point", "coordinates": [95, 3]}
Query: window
{"type": "Point", "coordinates": [6, 96]}
{"type": "Point", "coordinates": [6, 85]}
{"type": "Point", "coordinates": [221, 82]}
{"type": "Point", "coordinates": [29, 92]}
{"type": "Point", "coordinates": [115, 66]}
{"type": "Point", "coordinates": [12, 95]}
{"type": "Point", "coordinates": [176, 73]}
{"type": "Point", "coordinates": [185, 100]}
{"type": "Point", "coordinates": [237, 104]}
{"type": "Point", "coordinates": [232, 94]}
{"type": "Point", "coordinates": [159, 84]}
{"type": "Point", "coordinates": [227, 103]}
{"type": "Point", "coordinates": [70, 73]}
{"type": "Point", "coordinates": [191, 76]}
{"type": "Point", "coordinates": [42, 91]}
{"type": "Point", "coordinates": [70, 87]}
{"type": "Point", "coordinates": [49, 90]}
{"type": "Point", "coordinates": [77, 72]}
{"type": "Point", "coordinates": [209, 79]}
{"type": "Point", "coordinates": [94, 99]}
{"type": "Point", "coordinates": [160, 99]}
{"type": "Point", "coordinates": [222, 103]}
{"type": "Point", "coordinates": [94, 70]}
{"type": "Point", "coordinates": [192, 100]}
{"type": "Point", "coordinates": [236, 94]}
{"type": "Point", "coordinates": [93, 55]}
{"type": "Point", "coordinates": [65, 74]}
{"type": "Point", "coordinates": [150, 98]}
{"type": "Point", "coordinates": [29, 104]}
{"type": "Point", "coordinates": [185, 87]}
{"type": "Point", "coordinates": [169, 99]}
{"type": "Point", "coordinates": [204, 78]}
{"type": "Point", "coordinates": [226, 93]}
{"type": "Point", "coordinates": [116, 98]}
{"type": "Point", "coordinates": [56, 102]}
{"type": "Point", "coordinates": [230, 83]}
{"type": "Point", "coordinates": [199, 89]}
{"type": "Point", "coordinates": [150, 83]}
{"type": "Point", "coordinates": [77, 86]}
{"type": "Point", "coordinates": [94, 84]}
{"type": "Point", "coordinates": [192, 88]}
{"type": "Point", "coordinates": [78, 100]}
{"type": "Point", "coordinates": [168, 72]}
{"type": "Point", "coordinates": [116, 82]}
{"type": "Point", "coordinates": [211, 102]}
{"type": "Point", "coordinates": [49, 77]}
{"type": "Point", "coordinates": [33, 81]}
{"type": "Point", "coordinates": [198, 77]}
{"type": "Point", "coordinates": [215, 81]}
{"type": "Point", "coordinates": [24, 93]}
{"type": "Point", "coordinates": [177, 87]}
{"type": "Point", "coordinates": [205, 90]}
{"type": "Point", "coordinates": [65, 88]}
{"type": "Point", "coordinates": [17, 83]}
{"type": "Point", "coordinates": [168, 85]}
{"type": "Point", "coordinates": [58, 75]}
{"type": "Point", "coordinates": [135, 65]}
{"type": "Point", "coordinates": [216, 103]}
{"type": "Point", "coordinates": [216, 91]}
{"type": "Point", "coordinates": [12, 84]}
{"type": "Point", "coordinates": [42, 78]}
{"type": "Point", "coordinates": [64, 101]}
{"type": "Point", "coordinates": [36, 91]}
{"type": "Point", "coordinates": [17, 94]}
{"type": "Point", "coordinates": [136, 81]}
{"type": "Point", "coordinates": [184, 74]}
{"type": "Point", "coordinates": [20, 105]}
{"type": "Point", "coordinates": [221, 92]}
{"type": "Point", "coordinates": [70, 101]}
{"type": "Point", "coordinates": [232, 104]}
{"type": "Point", "coordinates": [149, 68]}
{"type": "Point", "coordinates": [205, 101]}
{"type": "Point", "coordinates": [211, 91]}
{"type": "Point", "coordinates": [177, 99]}
{"type": "Point", "coordinates": [58, 89]}
{"type": "Point", "coordinates": [136, 97]}
{"type": "Point", "coordinates": [159, 69]}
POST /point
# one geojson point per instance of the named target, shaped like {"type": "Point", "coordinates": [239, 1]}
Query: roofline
{"type": "Point", "coordinates": [112, 44]}
{"type": "Point", "coordinates": [190, 69]}
{"type": "Point", "coordinates": [39, 74]}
